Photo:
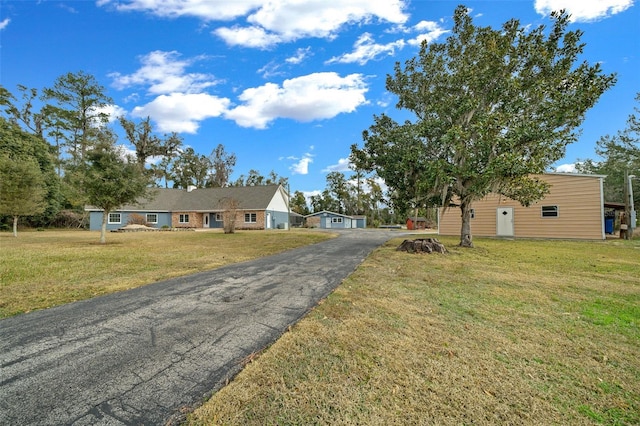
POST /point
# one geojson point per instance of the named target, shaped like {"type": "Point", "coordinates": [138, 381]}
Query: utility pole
{"type": "Point", "coordinates": [627, 210]}
{"type": "Point", "coordinates": [288, 206]}
{"type": "Point", "coordinates": [632, 210]}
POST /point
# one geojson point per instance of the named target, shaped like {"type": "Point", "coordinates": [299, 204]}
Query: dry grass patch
{"type": "Point", "coordinates": [513, 332]}
{"type": "Point", "coordinates": [44, 269]}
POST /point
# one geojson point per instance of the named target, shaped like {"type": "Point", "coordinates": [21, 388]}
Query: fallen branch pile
{"type": "Point", "coordinates": [422, 245]}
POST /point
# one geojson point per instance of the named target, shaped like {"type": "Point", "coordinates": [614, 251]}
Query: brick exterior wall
{"type": "Point", "coordinates": [195, 220]}
{"type": "Point", "coordinates": [313, 222]}
{"type": "Point", "coordinates": [259, 224]}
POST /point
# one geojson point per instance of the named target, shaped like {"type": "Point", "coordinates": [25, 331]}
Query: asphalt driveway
{"type": "Point", "coordinates": [146, 355]}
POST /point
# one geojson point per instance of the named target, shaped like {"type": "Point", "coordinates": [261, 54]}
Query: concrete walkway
{"type": "Point", "coordinates": [147, 355]}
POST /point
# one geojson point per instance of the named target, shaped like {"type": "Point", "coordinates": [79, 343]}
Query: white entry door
{"type": "Point", "coordinates": [205, 224]}
{"type": "Point", "coordinates": [504, 222]}
{"type": "Point", "coordinates": [267, 221]}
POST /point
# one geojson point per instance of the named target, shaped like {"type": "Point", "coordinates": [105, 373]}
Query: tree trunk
{"type": "Point", "coordinates": [103, 228]}
{"type": "Point", "coordinates": [422, 245]}
{"type": "Point", "coordinates": [465, 233]}
{"type": "Point", "coordinates": [15, 226]}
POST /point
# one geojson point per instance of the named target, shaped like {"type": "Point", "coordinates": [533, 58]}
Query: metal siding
{"type": "Point", "coordinates": [580, 212]}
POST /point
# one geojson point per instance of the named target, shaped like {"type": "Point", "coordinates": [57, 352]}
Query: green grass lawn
{"type": "Point", "coordinates": [511, 332]}
{"type": "Point", "coordinates": [44, 269]}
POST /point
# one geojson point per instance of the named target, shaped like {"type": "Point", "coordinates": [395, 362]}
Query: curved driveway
{"type": "Point", "coordinates": [147, 355]}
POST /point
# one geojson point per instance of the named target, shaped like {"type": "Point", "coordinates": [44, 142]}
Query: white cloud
{"type": "Point", "coordinates": [271, 22]}
{"type": "Point", "coordinates": [293, 19]}
{"type": "Point", "coordinates": [309, 194]}
{"type": "Point", "coordinates": [301, 55]}
{"type": "Point", "coordinates": [218, 10]}
{"type": "Point", "coordinates": [312, 97]}
{"type": "Point", "coordinates": [180, 112]}
{"type": "Point", "coordinates": [366, 49]}
{"type": "Point", "coordinates": [566, 168]}
{"type": "Point", "coordinates": [582, 10]}
{"type": "Point", "coordinates": [272, 69]}
{"type": "Point", "coordinates": [275, 21]}
{"type": "Point", "coordinates": [113, 111]}
{"type": "Point", "coordinates": [429, 32]}
{"type": "Point", "coordinates": [254, 37]}
{"type": "Point", "coordinates": [342, 166]}
{"type": "Point", "coordinates": [4, 23]}
{"type": "Point", "coordinates": [301, 167]}
{"type": "Point", "coordinates": [164, 73]}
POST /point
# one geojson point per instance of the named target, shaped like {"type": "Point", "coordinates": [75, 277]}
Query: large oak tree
{"type": "Point", "coordinates": [488, 109]}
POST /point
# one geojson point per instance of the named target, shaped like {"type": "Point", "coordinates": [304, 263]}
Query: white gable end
{"type": "Point", "coordinates": [278, 202]}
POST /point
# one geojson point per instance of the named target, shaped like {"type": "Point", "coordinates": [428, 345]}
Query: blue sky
{"type": "Point", "coordinates": [286, 85]}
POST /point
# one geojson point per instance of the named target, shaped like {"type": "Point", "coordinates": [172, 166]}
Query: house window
{"type": "Point", "coordinates": [250, 218]}
{"type": "Point", "coordinates": [473, 213]}
{"type": "Point", "coordinates": [115, 218]}
{"type": "Point", "coordinates": [336, 220]}
{"type": "Point", "coordinates": [219, 217]}
{"type": "Point", "coordinates": [549, 211]}
{"type": "Point", "coordinates": [152, 218]}
{"type": "Point", "coordinates": [184, 218]}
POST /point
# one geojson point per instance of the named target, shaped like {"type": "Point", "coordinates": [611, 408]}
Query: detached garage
{"type": "Point", "coordinates": [574, 209]}
{"type": "Point", "coordinates": [332, 220]}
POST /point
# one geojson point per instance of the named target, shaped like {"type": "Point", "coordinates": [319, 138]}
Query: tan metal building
{"type": "Point", "coordinates": [574, 208]}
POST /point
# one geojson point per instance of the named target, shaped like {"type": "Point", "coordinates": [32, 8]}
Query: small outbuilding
{"type": "Point", "coordinates": [573, 209]}
{"type": "Point", "coordinates": [332, 220]}
{"type": "Point", "coordinates": [415, 223]}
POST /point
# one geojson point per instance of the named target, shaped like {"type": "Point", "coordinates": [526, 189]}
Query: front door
{"type": "Point", "coordinates": [504, 222]}
{"type": "Point", "coordinates": [205, 223]}
{"type": "Point", "coordinates": [267, 222]}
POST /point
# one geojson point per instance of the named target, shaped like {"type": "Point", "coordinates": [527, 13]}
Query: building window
{"type": "Point", "coordinates": [152, 218]}
{"type": "Point", "coordinates": [549, 211]}
{"type": "Point", "coordinates": [184, 218]}
{"type": "Point", "coordinates": [115, 218]}
{"type": "Point", "coordinates": [219, 217]}
{"type": "Point", "coordinates": [336, 220]}
{"type": "Point", "coordinates": [473, 213]}
{"type": "Point", "coordinates": [250, 218]}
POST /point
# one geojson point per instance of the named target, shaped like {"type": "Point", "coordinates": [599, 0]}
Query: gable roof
{"type": "Point", "coordinates": [204, 199]}
{"type": "Point", "coordinates": [328, 213]}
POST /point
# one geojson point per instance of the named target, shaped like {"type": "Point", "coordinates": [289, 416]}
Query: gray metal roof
{"type": "Point", "coordinates": [203, 199]}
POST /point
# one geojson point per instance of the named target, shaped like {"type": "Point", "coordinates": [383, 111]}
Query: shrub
{"type": "Point", "coordinates": [137, 219]}
{"type": "Point", "coordinates": [70, 219]}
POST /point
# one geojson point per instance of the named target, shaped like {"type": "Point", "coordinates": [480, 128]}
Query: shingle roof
{"type": "Point", "coordinates": [327, 212]}
{"type": "Point", "coordinates": [204, 199]}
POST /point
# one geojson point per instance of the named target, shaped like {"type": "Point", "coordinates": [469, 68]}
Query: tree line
{"type": "Point", "coordinates": [59, 152]}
